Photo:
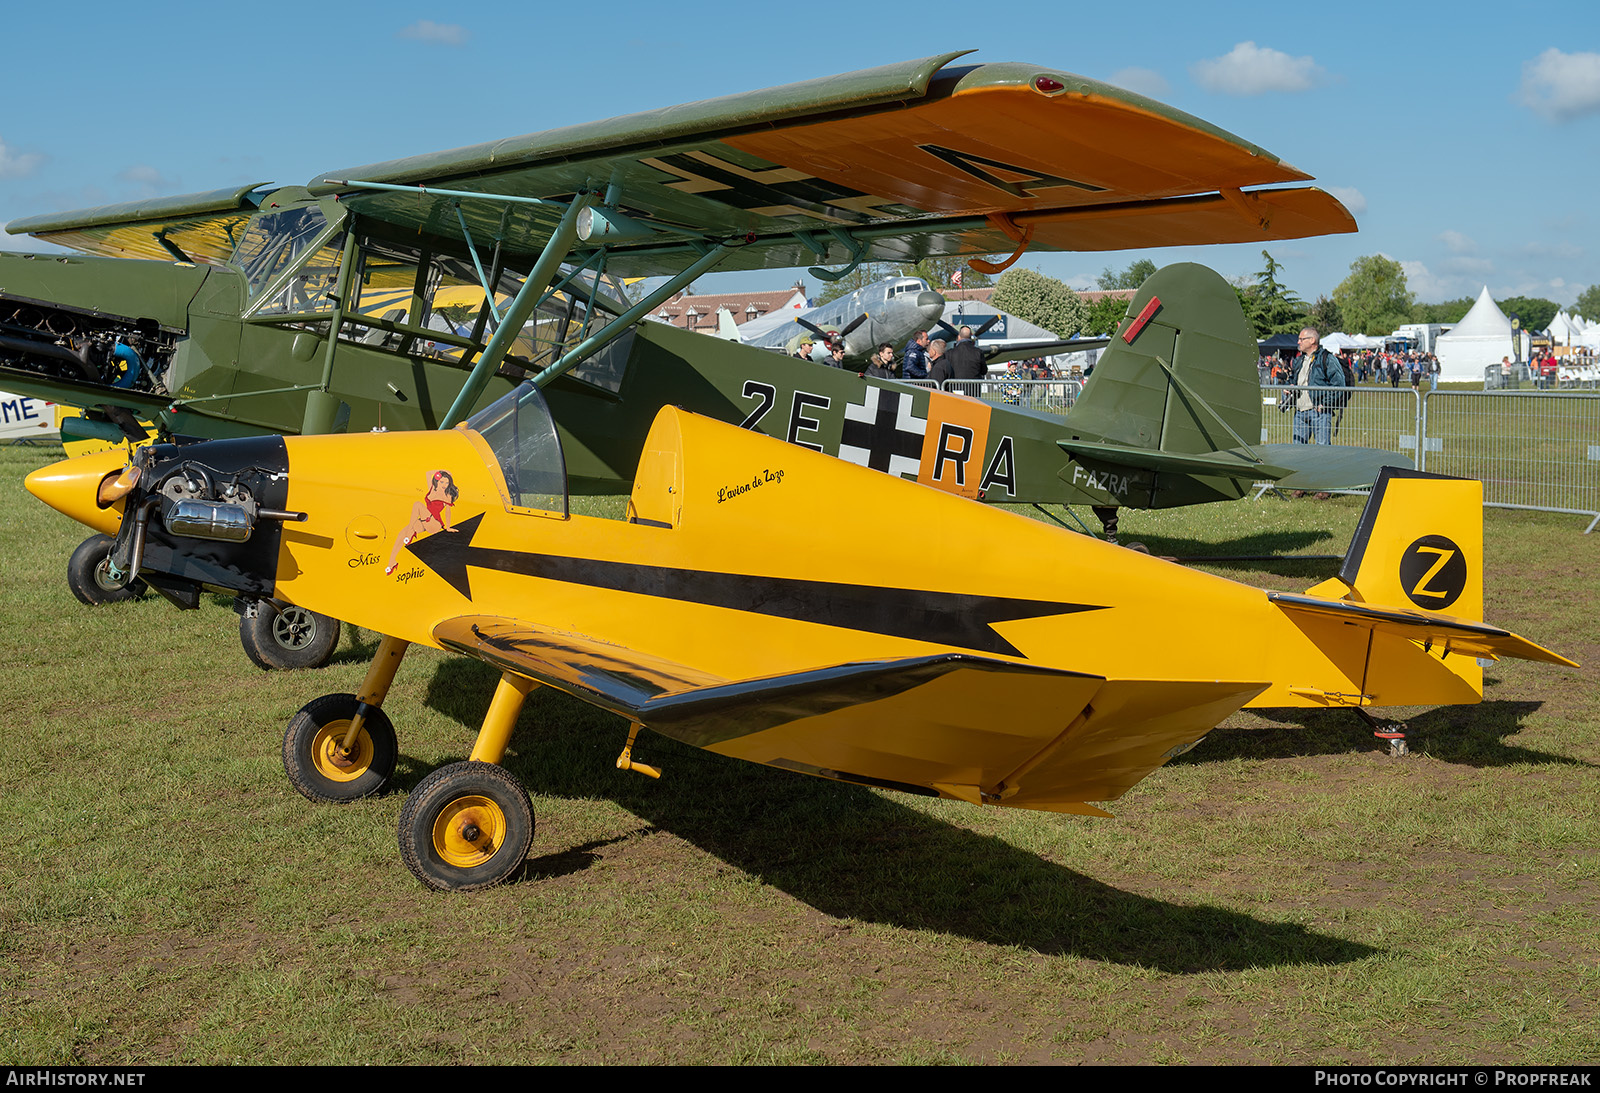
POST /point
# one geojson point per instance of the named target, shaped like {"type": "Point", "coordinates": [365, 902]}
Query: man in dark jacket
{"type": "Point", "coordinates": [1313, 410]}
{"type": "Point", "coordinates": [966, 359]}
{"type": "Point", "coordinates": [914, 364]}
{"type": "Point", "coordinates": [938, 366]}
{"type": "Point", "coordinates": [882, 363]}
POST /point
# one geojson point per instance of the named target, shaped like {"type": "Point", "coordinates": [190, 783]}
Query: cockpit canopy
{"type": "Point", "coordinates": [519, 430]}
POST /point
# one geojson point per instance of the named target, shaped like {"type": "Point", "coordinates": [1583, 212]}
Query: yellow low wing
{"type": "Point", "coordinates": [973, 728]}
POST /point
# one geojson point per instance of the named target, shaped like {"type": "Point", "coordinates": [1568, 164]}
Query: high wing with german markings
{"type": "Point", "coordinates": [718, 613]}
{"type": "Point", "coordinates": [409, 293]}
{"type": "Point", "coordinates": [338, 306]}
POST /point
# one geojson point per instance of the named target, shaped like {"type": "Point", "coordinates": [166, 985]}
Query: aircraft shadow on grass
{"type": "Point", "coordinates": [852, 853]}
{"type": "Point", "coordinates": [1468, 735]}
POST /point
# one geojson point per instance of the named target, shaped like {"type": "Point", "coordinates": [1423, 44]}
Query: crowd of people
{"type": "Point", "coordinates": [926, 358]}
{"type": "Point", "coordinates": [1372, 366]}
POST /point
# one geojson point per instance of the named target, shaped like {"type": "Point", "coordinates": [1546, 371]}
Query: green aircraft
{"type": "Point", "coordinates": [407, 294]}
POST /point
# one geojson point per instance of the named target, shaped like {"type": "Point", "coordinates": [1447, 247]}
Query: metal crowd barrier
{"type": "Point", "coordinates": [1386, 418]}
{"type": "Point", "coordinates": [1051, 396]}
{"type": "Point", "coordinates": [1530, 449]}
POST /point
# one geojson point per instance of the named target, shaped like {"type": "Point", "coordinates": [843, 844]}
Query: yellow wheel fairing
{"type": "Point", "coordinates": [468, 831]}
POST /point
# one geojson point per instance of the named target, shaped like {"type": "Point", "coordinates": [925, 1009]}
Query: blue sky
{"type": "Point", "coordinates": [1466, 139]}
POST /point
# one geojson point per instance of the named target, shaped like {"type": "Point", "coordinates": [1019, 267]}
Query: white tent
{"type": "Point", "coordinates": [1481, 338]}
{"type": "Point", "coordinates": [1338, 342]}
{"type": "Point", "coordinates": [1563, 331]}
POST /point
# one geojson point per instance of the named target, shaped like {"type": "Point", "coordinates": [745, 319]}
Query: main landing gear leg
{"type": "Point", "coordinates": [341, 747]}
{"type": "Point", "coordinates": [1108, 515]}
{"type": "Point", "coordinates": [469, 825]}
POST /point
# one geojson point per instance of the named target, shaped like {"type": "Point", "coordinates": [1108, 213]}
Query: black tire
{"type": "Point", "coordinates": [288, 638]}
{"type": "Point", "coordinates": [466, 826]}
{"type": "Point", "coordinates": [314, 762]}
{"type": "Point", "coordinates": [86, 574]}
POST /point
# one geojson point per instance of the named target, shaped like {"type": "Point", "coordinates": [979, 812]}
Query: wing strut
{"type": "Point", "coordinates": [606, 334]}
{"type": "Point", "coordinates": [1172, 375]}
{"type": "Point", "coordinates": [538, 279]}
{"type": "Point", "coordinates": [472, 249]}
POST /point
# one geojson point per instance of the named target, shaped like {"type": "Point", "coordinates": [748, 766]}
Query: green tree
{"type": "Point", "coordinates": [1269, 305]}
{"type": "Point", "coordinates": [1043, 301]}
{"type": "Point", "coordinates": [1451, 311]}
{"type": "Point", "coordinates": [1588, 304]}
{"type": "Point", "coordinates": [938, 271]}
{"type": "Point", "coordinates": [1104, 314]}
{"type": "Point", "coordinates": [1132, 277]}
{"type": "Point", "coordinates": [1325, 316]}
{"type": "Point", "coordinates": [860, 277]}
{"type": "Point", "coordinates": [1534, 311]}
{"type": "Point", "coordinates": [1374, 297]}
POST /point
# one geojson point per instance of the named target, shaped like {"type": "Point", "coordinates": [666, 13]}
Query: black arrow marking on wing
{"type": "Point", "coordinates": [949, 618]}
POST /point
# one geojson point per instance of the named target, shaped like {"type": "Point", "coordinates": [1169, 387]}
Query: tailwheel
{"type": "Point", "coordinates": [466, 826]}
{"type": "Point", "coordinates": [319, 764]}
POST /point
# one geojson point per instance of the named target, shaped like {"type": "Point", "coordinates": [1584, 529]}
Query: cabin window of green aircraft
{"type": "Point", "coordinates": [277, 242]}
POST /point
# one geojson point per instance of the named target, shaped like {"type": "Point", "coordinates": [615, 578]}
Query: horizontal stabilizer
{"type": "Point", "coordinates": [1329, 466]}
{"type": "Point", "coordinates": [1228, 464]}
{"type": "Point", "coordinates": [1446, 632]}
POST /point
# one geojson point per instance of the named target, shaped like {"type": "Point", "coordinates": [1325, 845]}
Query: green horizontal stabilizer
{"type": "Point", "coordinates": [1228, 464]}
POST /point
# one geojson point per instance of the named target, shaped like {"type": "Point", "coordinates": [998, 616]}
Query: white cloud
{"type": "Point", "coordinates": [1145, 81]}
{"type": "Point", "coordinates": [1457, 243]}
{"type": "Point", "coordinates": [1561, 86]}
{"type": "Point", "coordinates": [13, 165]}
{"type": "Point", "coordinates": [147, 181]}
{"type": "Point", "coordinates": [1249, 69]}
{"type": "Point", "coordinates": [1421, 281]}
{"type": "Point", "coordinates": [438, 34]}
{"type": "Point", "coordinates": [1466, 266]}
{"type": "Point", "coordinates": [1351, 198]}
{"type": "Point", "coordinates": [1552, 250]}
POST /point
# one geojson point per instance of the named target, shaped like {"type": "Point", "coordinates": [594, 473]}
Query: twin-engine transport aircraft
{"type": "Point", "coordinates": [718, 613]}
{"type": "Point", "coordinates": [890, 309]}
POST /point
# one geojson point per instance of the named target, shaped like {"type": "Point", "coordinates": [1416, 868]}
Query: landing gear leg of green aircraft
{"type": "Point", "coordinates": [342, 747]}
{"type": "Point", "coordinates": [469, 825]}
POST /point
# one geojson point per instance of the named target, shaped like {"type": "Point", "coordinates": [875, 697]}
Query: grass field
{"type": "Point", "coordinates": [1284, 893]}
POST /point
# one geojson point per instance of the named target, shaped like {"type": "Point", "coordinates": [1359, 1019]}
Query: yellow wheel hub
{"type": "Point", "coordinates": [328, 756]}
{"type": "Point", "coordinates": [468, 831]}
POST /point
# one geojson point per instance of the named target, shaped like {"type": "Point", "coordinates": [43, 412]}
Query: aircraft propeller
{"type": "Point", "coordinates": [830, 338]}
{"type": "Point", "coordinates": [977, 333]}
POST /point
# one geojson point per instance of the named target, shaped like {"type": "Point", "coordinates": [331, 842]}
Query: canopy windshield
{"type": "Point", "coordinates": [519, 430]}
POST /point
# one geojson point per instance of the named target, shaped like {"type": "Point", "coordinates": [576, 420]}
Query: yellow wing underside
{"type": "Point", "coordinates": [966, 727]}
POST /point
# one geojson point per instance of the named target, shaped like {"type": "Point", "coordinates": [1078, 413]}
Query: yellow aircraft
{"type": "Point", "coordinates": [729, 611]}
